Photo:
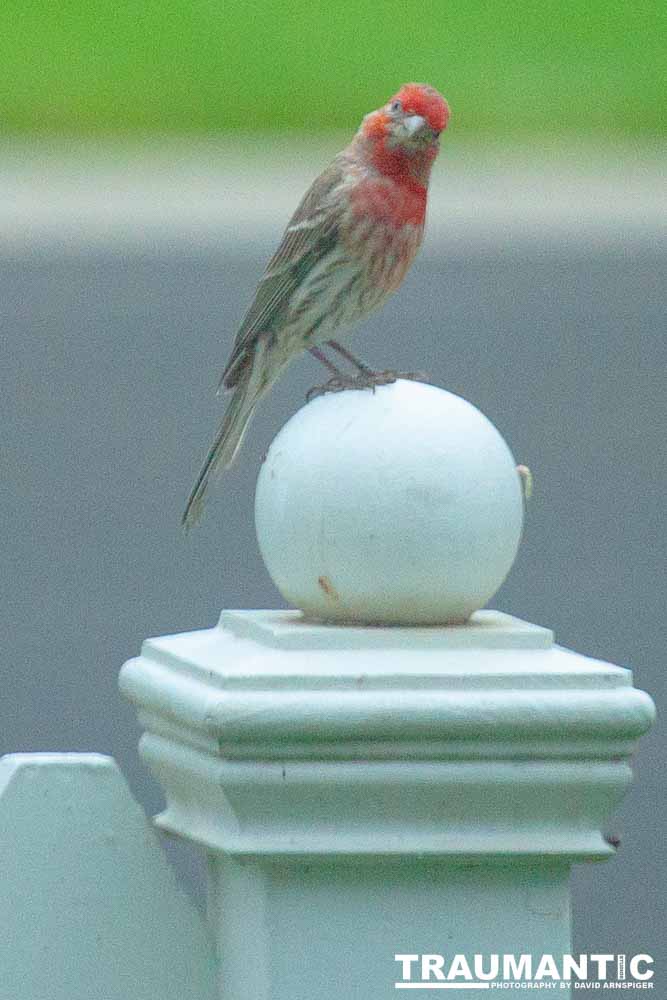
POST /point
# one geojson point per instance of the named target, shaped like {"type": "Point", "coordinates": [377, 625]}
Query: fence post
{"type": "Point", "coordinates": [367, 792]}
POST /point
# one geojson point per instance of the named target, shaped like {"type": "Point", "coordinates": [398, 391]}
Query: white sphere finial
{"type": "Point", "coordinates": [399, 506]}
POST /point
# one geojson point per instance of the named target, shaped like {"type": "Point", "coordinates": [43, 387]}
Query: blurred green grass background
{"type": "Point", "coordinates": [196, 66]}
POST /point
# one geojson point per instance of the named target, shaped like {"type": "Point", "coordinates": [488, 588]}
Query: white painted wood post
{"type": "Point", "coordinates": [365, 791]}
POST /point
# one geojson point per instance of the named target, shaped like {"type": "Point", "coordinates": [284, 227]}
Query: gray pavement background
{"type": "Point", "coordinates": [107, 404]}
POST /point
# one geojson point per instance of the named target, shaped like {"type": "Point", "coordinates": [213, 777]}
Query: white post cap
{"type": "Point", "coordinates": [399, 505]}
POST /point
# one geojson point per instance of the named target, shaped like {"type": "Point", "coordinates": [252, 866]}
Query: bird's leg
{"type": "Point", "coordinates": [349, 356]}
{"type": "Point", "coordinates": [337, 383]}
{"type": "Point", "coordinates": [324, 360]}
{"type": "Point", "coordinates": [365, 378]}
{"type": "Point", "coordinates": [374, 377]}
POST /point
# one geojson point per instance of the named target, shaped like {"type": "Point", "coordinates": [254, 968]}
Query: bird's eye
{"type": "Point", "coordinates": [396, 106]}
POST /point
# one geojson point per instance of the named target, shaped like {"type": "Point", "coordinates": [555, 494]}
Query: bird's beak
{"type": "Point", "coordinates": [414, 124]}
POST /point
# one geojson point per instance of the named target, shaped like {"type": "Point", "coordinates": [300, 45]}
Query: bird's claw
{"type": "Point", "coordinates": [339, 383]}
{"type": "Point", "coordinates": [374, 379]}
{"type": "Point", "coordinates": [387, 377]}
{"type": "Point", "coordinates": [334, 384]}
{"type": "Point", "coordinates": [415, 377]}
{"type": "Point", "coordinates": [364, 380]}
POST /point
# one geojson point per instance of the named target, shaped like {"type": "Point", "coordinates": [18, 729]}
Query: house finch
{"type": "Point", "coordinates": [347, 247]}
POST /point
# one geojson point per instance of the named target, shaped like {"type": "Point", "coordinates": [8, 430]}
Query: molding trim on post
{"type": "Point", "coordinates": [483, 757]}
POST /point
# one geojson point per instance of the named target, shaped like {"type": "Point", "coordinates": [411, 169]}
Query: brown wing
{"type": "Point", "coordinates": [309, 233]}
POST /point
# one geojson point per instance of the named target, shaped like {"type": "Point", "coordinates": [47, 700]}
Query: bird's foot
{"type": "Point", "coordinates": [338, 384]}
{"type": "Point", "coordinates": [363, 380]}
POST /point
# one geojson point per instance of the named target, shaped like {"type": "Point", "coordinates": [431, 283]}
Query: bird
{"type": "Point", "coordinates": [345, 250]}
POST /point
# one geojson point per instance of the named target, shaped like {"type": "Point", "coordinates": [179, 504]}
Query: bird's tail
{"type": "Point", "coordinates": [248, 390]}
